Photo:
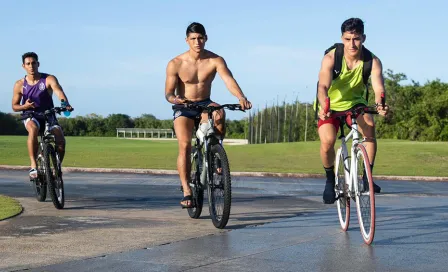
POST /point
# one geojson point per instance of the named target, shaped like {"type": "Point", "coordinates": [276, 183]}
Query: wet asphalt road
{"type": "Point", "coordinates": [411, 232]}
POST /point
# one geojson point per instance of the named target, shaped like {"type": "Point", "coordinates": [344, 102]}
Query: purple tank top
{"type": "Point", "coordinates": [38, 94]}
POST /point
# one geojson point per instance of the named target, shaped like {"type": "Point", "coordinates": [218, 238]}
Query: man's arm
{"type": "Point", "coordinates": [53, 83]}
{"type": "Point", "coordinates": [227, 77]}
{"type": "Point", "coordinates": [17, 96]}
{"type": "Point", "coordinates": [377, 79]}
{"type": "Point", "coordinates": [325, 77]}
{"type": "Point", "coordinates": [171, 83]}
{"type": "Point", "coordinates": [231, 84]}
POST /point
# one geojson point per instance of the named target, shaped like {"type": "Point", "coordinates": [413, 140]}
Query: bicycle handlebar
{"type": "Point", "coordinates": [208, 108]}
{"type": "Point", "coordinates": [31, 114]}
{"type": "Point", "coordinates": [357, 110]}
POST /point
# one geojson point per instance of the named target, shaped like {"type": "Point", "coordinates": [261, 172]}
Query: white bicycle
{"type": "Point", "coordinates": [353, 174]}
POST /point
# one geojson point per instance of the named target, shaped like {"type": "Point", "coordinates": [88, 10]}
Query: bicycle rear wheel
{"type": "Point", "coordinates": [195, 184]}
{"type": "Point", "coordinates": [219, 187]}
{"type": "Point", "coordinates": [341, 188]}
{"type": "Point", "coordinates": [54, 177]}
{"type": "Point", "coordinates": [365, 196]}
{"type": "Point", "coordinates": [39, 184]}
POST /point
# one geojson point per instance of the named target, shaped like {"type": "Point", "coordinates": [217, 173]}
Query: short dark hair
{"type": "Point", "coordinates": [29, 55]}
{"type": "Point", "coordinates": [353, 25]}
{"type": "Point", "coordinates": [196, 28]}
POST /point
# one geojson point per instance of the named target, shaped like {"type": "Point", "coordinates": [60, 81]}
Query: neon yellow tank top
{"type": "Point", "coordinates": [348, 89]}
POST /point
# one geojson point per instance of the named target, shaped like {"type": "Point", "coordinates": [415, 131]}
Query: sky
{"type": "Point", "coordinates": [111, 56]}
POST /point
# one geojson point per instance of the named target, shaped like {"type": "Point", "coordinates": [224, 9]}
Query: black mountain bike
{"type": "Point", "coordinates": [49, 172]}
{"type": "Point", "coordinates": [210, 168]}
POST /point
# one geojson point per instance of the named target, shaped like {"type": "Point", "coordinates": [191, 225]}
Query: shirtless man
{"type": "Point", "coordinates": [34, 93]}
{"type": "Point", "coordinates": [191, 75]}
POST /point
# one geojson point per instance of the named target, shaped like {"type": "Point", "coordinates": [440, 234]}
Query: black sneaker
{"type": "Point", "coordinates": [376, 188]}
{"type": "Point", "coordinates": [329, 195]}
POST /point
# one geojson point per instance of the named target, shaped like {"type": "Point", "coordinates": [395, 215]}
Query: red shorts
{"type": "Point", "coordinates": [336, 122]}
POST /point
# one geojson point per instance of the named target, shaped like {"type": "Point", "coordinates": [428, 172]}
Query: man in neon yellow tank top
{"type": "Point", "coordinates": [346, 91]}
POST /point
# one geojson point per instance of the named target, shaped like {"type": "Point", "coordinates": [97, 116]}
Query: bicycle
{"type": "Point", "coordinates": [49, 172]}
{"type": "Point", "coordinates": [208, 151]}
{"type": "Point", "coordinates": [353, 173]}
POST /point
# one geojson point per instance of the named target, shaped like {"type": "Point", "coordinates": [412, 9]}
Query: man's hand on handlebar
{"type": "Point", "coordinates": [180, 100]}
{"type": "Point", "coordinates": [383, 111]}
{"type": "Point", "coordinates": [245, 104]}
{"type": "Point", "coordinates": [324, 115]}
{"type": "Point", "coordinates": [28, 104]}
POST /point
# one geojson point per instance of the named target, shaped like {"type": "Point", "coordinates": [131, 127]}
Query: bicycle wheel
{"type": "Point", "coordinates": [365, 196]}
{"type": "Point", "coordinates": [54, 177]}
{"type": "Point", "coordinates": [341, 188]}
{"type": "Point", "coordinates": [39, 184]}
{"type": "Point", "coordinates": [195, 184]}
{"type": "Point", "coordinates": [219, 186]}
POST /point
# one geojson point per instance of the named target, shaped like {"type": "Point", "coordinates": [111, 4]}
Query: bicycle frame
{"type": "Point", "coordinates": [351, 177]}
{"type": "Point", "coordinates": [204, 143]}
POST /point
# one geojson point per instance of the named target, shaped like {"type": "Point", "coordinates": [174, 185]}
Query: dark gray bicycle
{"type": "Point", "coordinates": [49, 172]}
{"type": "Point", "coordinates": [210, 168]}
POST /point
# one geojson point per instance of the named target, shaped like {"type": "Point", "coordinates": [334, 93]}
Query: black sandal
{"type": "Point", "coordinates": [187, 198]}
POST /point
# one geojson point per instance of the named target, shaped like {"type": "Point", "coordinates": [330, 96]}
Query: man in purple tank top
{"type": "Point", "coordinates": [34, 93]}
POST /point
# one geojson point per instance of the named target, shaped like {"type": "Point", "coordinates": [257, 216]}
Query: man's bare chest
{"type": "Point", "coordinates": [193, 74]}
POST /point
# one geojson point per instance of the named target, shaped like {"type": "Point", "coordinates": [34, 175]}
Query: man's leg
{"type": "Point", "coordinates": [60, 142]}
{"type": "Point", "coordinates": [183, 127]}
{"type": "Point", "coordinates": [33, 132]}
{"type": "Point", "coordinates": [327, 135]}
{"type": "Point", "coordinates": [219, 118]}
{"type": "Point", "coordinates": [366, 126]}
{"type": "Point", "coordinates": [220, 128]}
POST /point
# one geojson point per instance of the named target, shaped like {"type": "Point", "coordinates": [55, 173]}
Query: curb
{"type": "Point", "coordinates": [237, 174]}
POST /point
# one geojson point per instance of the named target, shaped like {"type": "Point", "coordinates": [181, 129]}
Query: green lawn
{"type": "Point", "coordinates": [8, 207]}
{"type": "Point", "coordinates": [394, 157]}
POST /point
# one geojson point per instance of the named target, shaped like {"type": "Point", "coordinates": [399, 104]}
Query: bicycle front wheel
{"type": "Point", "coordinates": [39, 184]}
{"type": "Point", "coordinates": [54, 177]}
{"type": "Point", "coordinates": [219, 186]}
{"type": "Point", "coordinates": [341, 188]}
{"type": "Point", "coordinates": [365, 195]}
{"type": "Point", "coordinates": [195, 185]}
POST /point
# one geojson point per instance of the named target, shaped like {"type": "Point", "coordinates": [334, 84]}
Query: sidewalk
{"type": "Point", "coordinates": [240, 174]}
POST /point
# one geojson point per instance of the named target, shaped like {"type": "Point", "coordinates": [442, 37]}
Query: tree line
{"type": "Point", "coordinates": [418, 112]}
{"type": "Point", "coordinates": [99, 126]}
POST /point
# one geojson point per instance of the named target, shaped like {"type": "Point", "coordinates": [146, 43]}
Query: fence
{"type": "Point", "coordinates": [145, 132]}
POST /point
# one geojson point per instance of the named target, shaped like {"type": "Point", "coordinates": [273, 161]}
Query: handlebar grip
{"type": "Point", "coordinates": [327, 105]}
{"type": "Point", "coordinates": [179, 106]}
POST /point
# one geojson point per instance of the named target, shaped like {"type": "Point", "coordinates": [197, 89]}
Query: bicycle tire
{"type": "Point", "coordinates": [225, 185]}
{"type": "Point", "coordinates": [366, 215]}
{"type": "Point", "coordinates": [53, 177]}
{"type": "Point", "coordinates": [343, 202]}
{"type": "Point", "coordinates": [195, 185]}
{"type": "Point", "coordinates": [39, 184]}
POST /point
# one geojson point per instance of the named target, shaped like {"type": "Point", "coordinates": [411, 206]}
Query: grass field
{"type": "Point", "coordinates": [8, 207]}
{"type": "Point", "coordinates": [404, 158]}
